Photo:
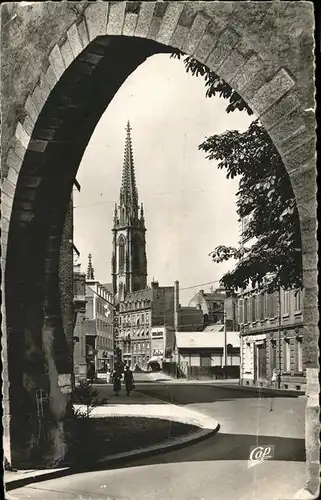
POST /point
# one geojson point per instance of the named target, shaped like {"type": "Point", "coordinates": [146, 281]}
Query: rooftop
{"type": "Point", "coordinates": [202, 340]}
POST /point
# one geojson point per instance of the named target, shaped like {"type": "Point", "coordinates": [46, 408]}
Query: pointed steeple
{"type": "Point", "coordinates": [115, 214]}
{"type": "Point", "coordinates": [128, 190]}
{"type": "Point", "coordinates": [90, 269]}
{"type": "Point", "coordinates": [142, 218]}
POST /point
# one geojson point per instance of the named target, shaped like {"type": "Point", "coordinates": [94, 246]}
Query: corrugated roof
{"type": "Point", "coordinates": [203, 340]}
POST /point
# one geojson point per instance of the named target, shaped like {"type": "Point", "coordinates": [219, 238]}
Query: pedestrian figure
{"type": "Point", "coordinates": [273, 382]}
{"type": "Point", "coordinates": [116, 383]}
{"type": "Point", "coordinates": [108, 376]}
{"type": "Point", "coordinates": [129, 380]}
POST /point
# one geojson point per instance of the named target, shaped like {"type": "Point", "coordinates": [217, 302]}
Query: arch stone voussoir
{"type": "Point", "coordinates": [116, 18]}
{"type": "Point", "coordinates": [237, 41]}
{"type": "Point", "coordinates": [169, 22]}
{"type": "Point", "coordinates": [144, 20]}
{"type": "Point", "coordinates": [96, 15]}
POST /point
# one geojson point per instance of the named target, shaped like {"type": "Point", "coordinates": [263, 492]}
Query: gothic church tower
{"type": "Point", "coordinates": [129, 262]}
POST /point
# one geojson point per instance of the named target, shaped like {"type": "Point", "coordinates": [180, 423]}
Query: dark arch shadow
{"type": "Point", "coordinates": [59, 139]}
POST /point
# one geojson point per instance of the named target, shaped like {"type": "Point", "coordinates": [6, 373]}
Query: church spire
{"type": "Point", "coordinates": [90, 269]}
{"type": "Point", "coordinates": [128, 190]}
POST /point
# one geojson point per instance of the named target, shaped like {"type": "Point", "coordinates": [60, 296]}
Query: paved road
{"type": "Point", "coordinates": [214, 469]}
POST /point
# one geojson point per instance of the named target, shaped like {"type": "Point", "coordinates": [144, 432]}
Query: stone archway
{"type": "Point", "coordinates": [265, 52]}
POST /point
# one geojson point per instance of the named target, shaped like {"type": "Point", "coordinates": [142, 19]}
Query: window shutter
{"type": "Point", "coordinates": [241, 311]}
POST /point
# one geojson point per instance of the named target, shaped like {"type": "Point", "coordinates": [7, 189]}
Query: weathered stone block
{"type": "Point", "coordinates": [205, 46]}
{"type": "Point", "coordinates": [116, 18]}
{"type": "Point", "coordinates": [28, 125]}
{"type": "Point", "coordinates": [130, 24]}
{"type": "Point", "coordinates": [310, 261]}
{"type": "Point", "coordinates": [18, 148]}
{"type": "Point", "coordinates": [280, 110]}
{"type": "Point", "coordinates": [231, 65]}
{"type": "Point", "coordinates": [307, 175]}
{"type": "Point", "coordinates": [38, 98]}
{"type": "Point", "coordinates": [311, 296]}
{"type": "Point", "coordinates": [226, 42]}
{"type": "Point", "coordinates": [8, 188]}
{"type": "Point", "coordinates": [74, 40]}
{"type": "Point", "coordinates": [311, 354]}
{"type": "Point", "coordinates": [144, 19]}
{"type": "Point", "coordinates": [67, 53]}
{"type": "Point", "coordinates": [310, 314]}
{"type": "Point", "coordinates": [178, 37]}
{"type": "Point", "coordinates": [12, 176]}
{"type": "Point", "coordinates": [22, 135]}
{"type": "Point", "coordinates": [252, 76]}
{"type": "Point", "coordinates": [57, 62]}
{"type": "Point", "coordinates": [6, 200]}
{"type": "Point", "coordinates": [83, 34]}
{"type": "Point", "coordinates": [287, 128]}
{"type": "Point", "coordinates": [96, 19]}
{"type": "Point", "coordinates": [51, 77]}
{"type": "Point", "coordinates": [13, 161]}
{"type": "Point", "coordinates": [6, 210]}
{"type": "Point", "coordinates": [296, 141]}
{"type": "Point", "coordinates": [310, 278]}
{"type": "Point", "coordinates": [196, 33]}
{"type": "Point", "coordinates": [159, 12]}
{"type": "Point", "coordinates": [300, 155]}
{"type": "Point", "coordinates": [31, 109]}
{"type": "Point", "coordinates": [169, 22]}
{"type": "Point", "coordinates": [272, 91]}
{"type": "Point", "coordinates": [5, 223]}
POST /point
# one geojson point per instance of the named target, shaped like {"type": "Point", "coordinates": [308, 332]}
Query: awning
{"type": "Point", "coordinates": [155, 359]}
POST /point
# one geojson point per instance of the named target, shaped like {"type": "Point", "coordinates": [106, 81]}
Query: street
{"type": "Point", "coordinates": [216, 468]}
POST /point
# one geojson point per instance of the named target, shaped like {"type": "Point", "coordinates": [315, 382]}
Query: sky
{"type": "Point", "coordinates": [190, 206]}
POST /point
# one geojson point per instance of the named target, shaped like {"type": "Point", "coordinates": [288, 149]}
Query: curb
{"type": "Point", "coordinates": [262, 390]}
{"type": "Point", "coordinates": [259, 390]}
{"type": "Point", "coordinates": [113, 460]}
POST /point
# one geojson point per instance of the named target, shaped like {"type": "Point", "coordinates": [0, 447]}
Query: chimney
{"type": "Point", "coordinates": [176, 305]}
{"type": "Point", "coordinates": [154, 284]}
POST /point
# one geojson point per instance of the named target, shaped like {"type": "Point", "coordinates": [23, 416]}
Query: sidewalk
{"type": "Point", "coordinates": [141, 405]}
{"type": "Point", "coordinates": [136, 405]}
{"type": "Point", "coordinates": [234, 384]}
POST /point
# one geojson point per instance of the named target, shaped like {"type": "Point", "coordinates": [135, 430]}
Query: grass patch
{"type": "Point", "coordinates": [98, 438]}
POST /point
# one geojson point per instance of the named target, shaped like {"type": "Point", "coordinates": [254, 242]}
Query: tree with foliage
{"type": "Point", "coordinates": [270, 254]}
{"type": "Point", "coordinates": [215, 85]}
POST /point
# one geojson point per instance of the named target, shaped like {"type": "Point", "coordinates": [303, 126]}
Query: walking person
{"type": "Point", "coordinates": [274, 384]}
{"type": "Point", "coordinates": [116, 382]}
{"type": "Point", "coordinates": [129, 380]}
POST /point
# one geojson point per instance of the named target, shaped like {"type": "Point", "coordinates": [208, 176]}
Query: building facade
{"type": "Point", "coordinates": [271, 326]}
{"type": "Point", "coordinates": [218, 307]}
{"type": "Point", "coordinates": [98, 323]}
{"type": "Point", "coordinates": [139, 307]}
{"type": "Point", "coordinates": [204, 355]}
